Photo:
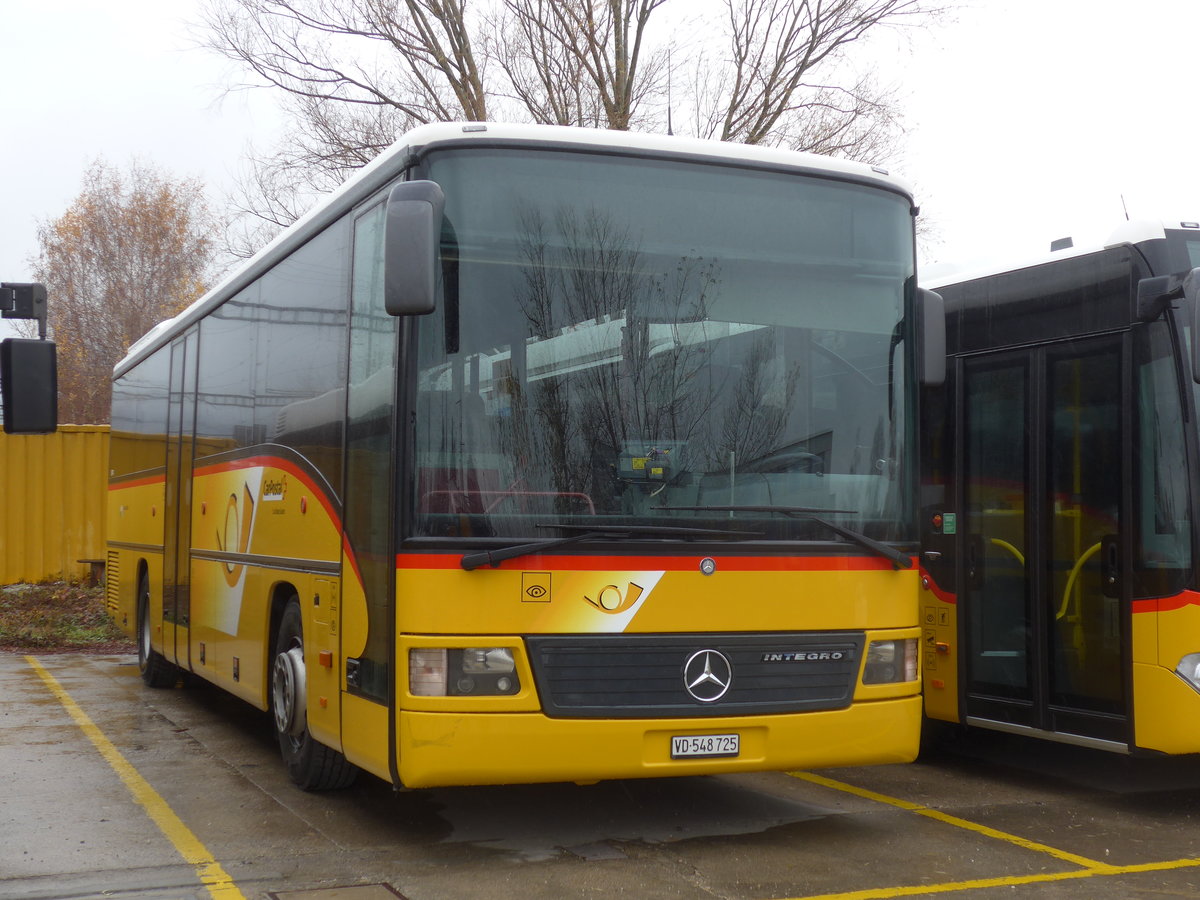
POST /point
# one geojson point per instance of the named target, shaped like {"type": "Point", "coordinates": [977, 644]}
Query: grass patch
{"type": "Point", "coordinates": [58, 616]}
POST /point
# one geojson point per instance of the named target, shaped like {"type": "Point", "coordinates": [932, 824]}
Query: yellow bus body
{"type": "Point", "coordinates": [275, 515]}
{"type": "Point", "coordinates": [1167, 707]}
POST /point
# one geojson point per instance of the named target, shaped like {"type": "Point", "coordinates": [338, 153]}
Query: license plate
{"type": "Point", "coordinates": [691, 746]}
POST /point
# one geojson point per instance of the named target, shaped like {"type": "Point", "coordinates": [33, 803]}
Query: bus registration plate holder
{"type": "Point", "coordinates": [693, 746]}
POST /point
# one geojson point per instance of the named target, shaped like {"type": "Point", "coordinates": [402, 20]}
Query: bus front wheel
{"type": "Point", "coordinates": [155, 670]}
{"type": "Point", "coordinates": [310, 764]}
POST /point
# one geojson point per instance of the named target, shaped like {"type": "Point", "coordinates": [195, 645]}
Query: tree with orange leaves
{"type": "Point", "coordinates": [134, 247]}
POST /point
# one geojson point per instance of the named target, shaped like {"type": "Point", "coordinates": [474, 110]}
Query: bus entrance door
{"type": "Point", "coordinates": [1044, 438]}
{"type": "Point", "coordinates": [177, 523]}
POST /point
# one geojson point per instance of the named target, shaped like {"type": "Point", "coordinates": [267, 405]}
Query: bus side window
{"type": "Point", "coordinates": [1163, 532]}
{"type": "Point", "coordinates": [369, 420]}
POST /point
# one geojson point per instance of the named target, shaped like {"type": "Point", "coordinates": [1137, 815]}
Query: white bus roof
{"type": "Point", "coordinates": [393, 161]}
{"type": "Point", "coordinates": [1130, 232]}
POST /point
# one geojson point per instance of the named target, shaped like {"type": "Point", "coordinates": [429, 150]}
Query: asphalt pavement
{"type": "Point", "coordinates": [119, 791]}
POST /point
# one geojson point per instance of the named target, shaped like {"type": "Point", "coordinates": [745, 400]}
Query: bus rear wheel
{"type": "Point", "coordinates": [310, 764]}
{"type": "Point", "coordinates": [155, 670]}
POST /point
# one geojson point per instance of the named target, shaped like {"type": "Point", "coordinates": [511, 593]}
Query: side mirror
{"type": "Point", "coordinates": [412, 235]}
{"type": "Point", "coordinates": [932, 317]}
{"type": "Point", "coordinates": [29, 386]}
{"type": "Point", "coordinates": [1154, 295]}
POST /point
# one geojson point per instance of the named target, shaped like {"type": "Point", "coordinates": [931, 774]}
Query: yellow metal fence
{"type": "Point", "coordinates": [52, 496]}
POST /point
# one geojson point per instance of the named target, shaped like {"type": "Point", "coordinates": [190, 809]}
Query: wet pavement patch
{"type": "Point", "coordinates": [537, 822]}
{"type": "Point", "coordinates": [353, 892]}
{"type": "Point", "coordinates": [596, 851]}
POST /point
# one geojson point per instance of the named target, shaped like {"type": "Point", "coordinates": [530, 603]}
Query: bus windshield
{"type": "Point", "coordinates": [629, 340]}
{"type": "Point", "coordinates": [1183, 249]}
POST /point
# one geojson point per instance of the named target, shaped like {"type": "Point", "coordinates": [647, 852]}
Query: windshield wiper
{"type": "Point", "coordinates": [587, 532]}
{"type": "Point", "coordinates": [891, 554]}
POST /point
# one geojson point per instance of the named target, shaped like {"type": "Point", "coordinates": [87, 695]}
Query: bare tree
{"type": "Point", "coordinates": [857, 122]}
{"type": "Point", "coordinates": [359, 72]}
{"type": "Point", "coordinates": [580, 62]}
{"type": "Point", "coordinates": [133, 248]}
{"type": "Point", "coordinates": [326, 145]}
{"type": "Point", "coordinates": [544, 76]}
{"type": "Point", "coordinates": [416, 56]}
{"type": "Point", "coordinates": [775, 46]}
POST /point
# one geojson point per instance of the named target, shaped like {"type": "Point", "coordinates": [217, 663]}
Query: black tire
{"type": "Point", "coordinates": [156, 671]}
{"type": "Point", "coordinates": [310, 764]}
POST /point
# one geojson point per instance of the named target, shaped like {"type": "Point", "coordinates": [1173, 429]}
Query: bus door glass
{"type": "Point", "coordinates": [369, 460]}
{"type": "Point", "coordinates": [177, 538]}
{"type": "Point", "coordinates": [996, 588]}
{"type": "Point", "coordinates": [1045, 444]}
{"type": "Point", "coordinates": [1086, 474]}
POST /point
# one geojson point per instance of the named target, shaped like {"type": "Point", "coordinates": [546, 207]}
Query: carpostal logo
{"type": "Point", "coordinates": [800, 656]}
{"type": "Point", "coordinates": [274, 488]}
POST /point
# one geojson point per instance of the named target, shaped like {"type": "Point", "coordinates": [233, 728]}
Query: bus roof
{"type": "Point", "coordinates": [1130, 232]}
{"type": "Point", "coordinates": [393, 161]}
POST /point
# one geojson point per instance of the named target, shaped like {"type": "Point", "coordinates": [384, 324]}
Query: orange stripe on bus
{"type": "Point", "coordinates": [1166, 604]}
{"type": "Point", "coordinates": [685, 563]}
{"type": "Point", "coordinates": [273, 462]}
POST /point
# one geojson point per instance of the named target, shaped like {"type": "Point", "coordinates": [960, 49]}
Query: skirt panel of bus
{"type": "Point", "coordinates": [122, 573]}
{"type": "Point", "coordinates": [438, 749]}
{"type": "Point", "coordinates": [232, 629]}
{"type": "Point", "coordinates": [134, 531]}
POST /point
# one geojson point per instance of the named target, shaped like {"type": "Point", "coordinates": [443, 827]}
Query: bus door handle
{"type": "Point", "coordinates": [974, 561]}
{"type": "Point", "coordinates": [1110, 566]}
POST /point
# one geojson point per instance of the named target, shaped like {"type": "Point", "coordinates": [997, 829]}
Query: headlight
{"type": "Point", "coordinates": [458, 671]}
{"type": "Point", "coordinates": [1189, 669]}
{"type": "Point", "coordinates": [891, 661]}
{"type": "Point", "coordinates": [427, 671]}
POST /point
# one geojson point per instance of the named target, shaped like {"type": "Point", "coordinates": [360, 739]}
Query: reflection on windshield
{"type": "Point", "coordinates": [608, 351]}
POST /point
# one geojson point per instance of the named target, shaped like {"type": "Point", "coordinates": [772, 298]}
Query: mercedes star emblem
{"type": "Point", "coordinates": [707, 675]}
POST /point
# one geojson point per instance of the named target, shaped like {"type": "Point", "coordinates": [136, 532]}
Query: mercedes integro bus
{"type": "Point", "coordinates": [539, 453]}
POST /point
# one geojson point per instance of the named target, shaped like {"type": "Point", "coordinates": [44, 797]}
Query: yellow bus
{"type": "Point", "coordinates": [1061, 593]}
{"type": "Point", "coordinates": [538, 454]}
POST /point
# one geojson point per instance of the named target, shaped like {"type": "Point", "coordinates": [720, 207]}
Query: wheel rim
{"type": "Point", "coordinates": [288, 692]}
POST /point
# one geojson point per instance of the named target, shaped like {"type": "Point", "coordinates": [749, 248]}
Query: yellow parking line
{"type": "Point", "coordinates": [914, 890]}
{"type": "Point", "coordinates": [940, 816]}
{"type": "Point", "coordinates": [1090, 868]}
{"type": "Point", "coordinates": [215, 878]}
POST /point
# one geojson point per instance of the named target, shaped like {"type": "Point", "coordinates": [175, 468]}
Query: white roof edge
{"type": "Point", "coordinates": [1129, 232]}
{"type": "Point", "coordinates": [149, 337]}
{"type": "Point", "coordinates": [1135, 231]}
{"type": "Point", "coordinates": [468, 132]}
{"type": "Point", "coordinates": [392, 161]}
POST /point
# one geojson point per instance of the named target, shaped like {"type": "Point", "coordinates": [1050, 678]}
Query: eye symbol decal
{"type": "Point", "coordinates": [536, 591]}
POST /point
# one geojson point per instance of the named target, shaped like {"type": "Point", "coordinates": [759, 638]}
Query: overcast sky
{"type": "Point", "coordinates": [84, 79]}
{"type": "Point", "coordinates": [1026, 120]}
{"type": "Point", "coordinates": [1031, 119]}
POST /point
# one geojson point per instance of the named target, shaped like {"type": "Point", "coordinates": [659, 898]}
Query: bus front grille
{"type": "Point", "coordinates": [607, 676]}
